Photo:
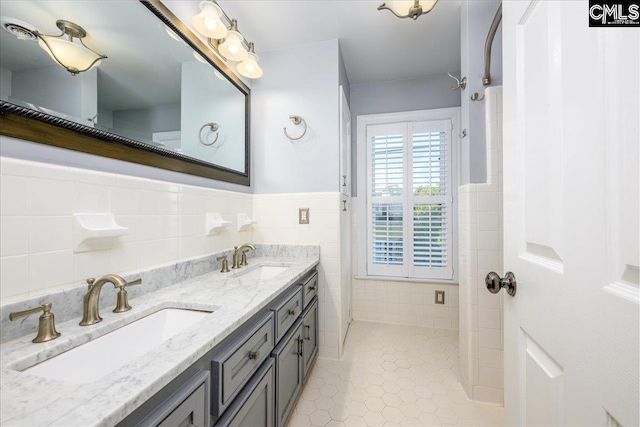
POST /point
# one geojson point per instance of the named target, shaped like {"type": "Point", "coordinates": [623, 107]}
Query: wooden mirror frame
{"type": "Point", "coordinates": [23, 123]}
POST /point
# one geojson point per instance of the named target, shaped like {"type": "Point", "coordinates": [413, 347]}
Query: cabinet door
{"type": "Point", "coordinates": [254, 406]}
{"type": "Point", "coordinates": [288, 358]}
{"type": "Point", "coordinates": [310, 337]}
{"type": "Point", "coordinates": [187, 407]}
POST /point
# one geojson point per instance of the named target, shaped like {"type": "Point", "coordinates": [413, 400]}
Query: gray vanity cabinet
{"type": "Point", "coordinates": [187, 407]}
{"type": "Point", "coordinates": [288, 356]}
{"type": "Point", "coordinates": [254, 406]}
{"type": "Point", "coordinates": [310, 337]}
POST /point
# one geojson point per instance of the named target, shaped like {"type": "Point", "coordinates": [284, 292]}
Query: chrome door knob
{"type": "Point", "coordinates": [494, 283]}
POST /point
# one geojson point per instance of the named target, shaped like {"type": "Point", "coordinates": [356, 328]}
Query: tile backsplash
{"type": "Point", "coordinates": [166, 222]}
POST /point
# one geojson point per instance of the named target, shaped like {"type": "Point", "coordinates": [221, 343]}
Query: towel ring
{"type": "Point", "coordinates": [296, 121]}
{"type": "Point", "coordinates": [214, 127]}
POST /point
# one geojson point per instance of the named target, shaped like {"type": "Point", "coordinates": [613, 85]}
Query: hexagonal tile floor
{"type": "Point", "coordinates": [391, 375]}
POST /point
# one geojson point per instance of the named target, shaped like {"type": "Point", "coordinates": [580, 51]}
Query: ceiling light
{"type": "Point", "coordinates": [249, 67]}
{"type": "Point", "coordinates": [232, 47]}
{"type": "Point", "coordinates": [408, 9]}
{"type": "Point", "coordinates": [69, 52]}
{"type": "Point", "coordinates": [208, 22]}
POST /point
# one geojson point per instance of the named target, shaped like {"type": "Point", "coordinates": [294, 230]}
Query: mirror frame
{"type": "Point", "coordinates": [23, 123]}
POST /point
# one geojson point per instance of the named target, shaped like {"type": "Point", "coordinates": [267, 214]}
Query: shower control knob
{"type": "Point", "coordinates": [494, 283]}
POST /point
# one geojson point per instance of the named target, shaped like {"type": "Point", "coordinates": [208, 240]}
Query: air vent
{"type": "Point", "coordinates": [18, 28]}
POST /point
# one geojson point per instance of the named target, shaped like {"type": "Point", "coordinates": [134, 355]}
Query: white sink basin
{"type": "Point", "coordinates": [264, 272]}
{"type": "Point", "coordinates": [91, 361]}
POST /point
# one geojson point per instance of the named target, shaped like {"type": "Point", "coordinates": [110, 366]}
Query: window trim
{"type": "Point", "coordinates": [452, 114]}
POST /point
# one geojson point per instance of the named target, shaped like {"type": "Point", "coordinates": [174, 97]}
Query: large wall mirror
{"type": "Point", "coordinates": [160, 97]}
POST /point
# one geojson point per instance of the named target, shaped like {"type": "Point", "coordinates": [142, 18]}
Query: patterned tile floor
{"type": "Point", "coordinates": [391, 375]}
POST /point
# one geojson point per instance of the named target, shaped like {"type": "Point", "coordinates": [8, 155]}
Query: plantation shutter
{"type": "Point", "coordinates": [409, 201]}
{"type": "Point", "coordinates": [430, 200]}
{"type": "Point", "coordinates": [387, 170]}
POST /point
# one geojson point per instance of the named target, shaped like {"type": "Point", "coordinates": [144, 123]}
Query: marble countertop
{"type": "Point", "coordinates": [29, 400]}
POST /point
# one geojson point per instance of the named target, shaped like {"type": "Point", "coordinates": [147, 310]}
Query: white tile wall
{"type": "Point", "coordinates": [167, 223]}
{"type": "Point", "coordinates": [480, 251]}
{"type": "Point", "coordinates": [277, 216]}
{"type": "Point", "coordinates": [402, 303]}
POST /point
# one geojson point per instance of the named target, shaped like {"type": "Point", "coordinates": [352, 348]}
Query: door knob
{"type": "Point", "coordinates": [495, 283]}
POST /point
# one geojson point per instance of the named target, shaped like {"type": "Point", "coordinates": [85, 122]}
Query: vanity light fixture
{"type": "Point", "coordinates": [408, 9]}
{"type": "Point", "coordinates": [208, 22]}
{"type": "Point", "coordinates": [231, 48]}
{"type": "Point", "coordinates": [225, 39]}
{"type": "Point", "coordinates": [249, 67]}
{"type": "Point", "coordinates": [75, 57]}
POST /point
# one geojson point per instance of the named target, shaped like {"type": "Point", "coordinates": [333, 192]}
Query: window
{"type": "Point", "coordinates": [406, 190]}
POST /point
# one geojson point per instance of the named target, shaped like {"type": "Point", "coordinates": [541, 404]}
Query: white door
{"type": "Point", "coordinates": [570, 217]}
{"type": "Point", "coordinates": [345, 218]}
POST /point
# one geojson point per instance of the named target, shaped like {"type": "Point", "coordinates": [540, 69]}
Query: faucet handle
{"type": "Point", "coordinates": [225, 263]}
{"type": "Point", "coordinates": [243, 260]}
{"type": "Point", "coordinates": [134, 282]}
{"type": "Point", "coordinates": [46, 328]}
{"type": "Point", "coordinates": [122, 302]}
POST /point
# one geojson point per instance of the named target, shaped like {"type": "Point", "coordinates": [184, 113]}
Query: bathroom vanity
{"type": "Point", "coordinates": [243, 362]}
{"type": "Point", "coordinates": [253, 378]}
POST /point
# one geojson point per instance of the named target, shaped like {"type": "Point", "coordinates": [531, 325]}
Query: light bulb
{"type": "Point", "coordinates": [211, 24]}
{"type": "Point", "coordinates": [232, 48]}
{"type": "Point", "coordinates": [249, 67]}
{"type": "Point", "coordinates": [208, 23]}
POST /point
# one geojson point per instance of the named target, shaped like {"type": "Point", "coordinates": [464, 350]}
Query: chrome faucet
{"type": "Point", "coordinates": [90, 315]}
{"type": "Point", "coordinates": [238, 251]}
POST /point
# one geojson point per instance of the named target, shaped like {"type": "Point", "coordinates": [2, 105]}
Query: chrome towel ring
{"type": "Point", "coordinates": [214, 128]}
{"type": "Point", "coordinates": [296, 121]}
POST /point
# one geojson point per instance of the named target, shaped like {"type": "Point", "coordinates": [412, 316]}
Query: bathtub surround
{"type": "Point", "coordinates": [480, 251]}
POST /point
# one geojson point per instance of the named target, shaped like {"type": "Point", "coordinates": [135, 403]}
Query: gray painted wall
{"type": "Point", "coordinates": [420, 93]}
{"type": "Point", "coordinates": [19, 149]}
{"type": "Point", "coordinates": [343, 78]}
{"type": "Point", "coordinates": [140, 124]}
{"type": "Point", "coordinates": [476, 17]}
{"type": "Point", "coordinates": [304, 81]}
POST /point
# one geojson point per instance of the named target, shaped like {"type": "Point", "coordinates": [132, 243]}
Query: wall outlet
{"type": "Point", "coordinates": [439, 297]}
{"type": "Point", "coordinates": [303, 215]}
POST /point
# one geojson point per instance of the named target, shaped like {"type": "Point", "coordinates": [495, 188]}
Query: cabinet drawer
{"type": "Point", "coordinates": [188, 406]}
{"type": "Point", "coordinates": [309, 289]}
{"type": "Point", "coordinates": [287, 312]}
{"type": "Point", "coordinates": [234, 365]}
{"type": "Point", "coordinates": [254, 406]}
{"type": "Point", "coordinates": [310, 337]}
